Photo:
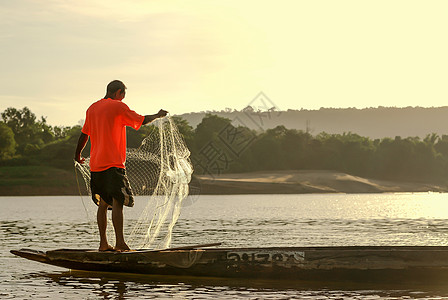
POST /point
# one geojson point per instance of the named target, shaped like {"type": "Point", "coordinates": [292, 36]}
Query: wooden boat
{"type": "Point", "coordinates": [358, 263]}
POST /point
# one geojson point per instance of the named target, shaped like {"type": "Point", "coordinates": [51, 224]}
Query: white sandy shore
{"type": "Point", "coordinates": [307, 181]}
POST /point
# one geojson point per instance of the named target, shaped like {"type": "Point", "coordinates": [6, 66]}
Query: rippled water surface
{"type": "Point", "coordinates": [45, 223]}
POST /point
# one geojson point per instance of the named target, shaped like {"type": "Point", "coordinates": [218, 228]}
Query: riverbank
{"type": "Point", "coordinates": [306, 181]}
{"type": "Point", "coordinates": [40, 181]}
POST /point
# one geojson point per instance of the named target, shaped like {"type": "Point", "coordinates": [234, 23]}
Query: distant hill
{"type": "Point", "coordinates": [370, 122]}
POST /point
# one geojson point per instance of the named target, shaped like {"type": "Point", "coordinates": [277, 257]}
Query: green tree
{"type": "Point", "coordinates": [185, 130]}
{"type": "Point", "coordinates": [7, 142]}
{"type": "Point", "coordinates": [26, 129]}
{"type": "Point", "coordinates": [60, 153]}
{"type": "Point", "coordinates": [209, 128]}
{"type": "Point", "coordinates": [442, 146]}
{"type": "Point", "coordinates": [404, 159]}
{"type": "Point", "coordinates": [243, 141]}
{"type": "Point", "coordinates": [356, 153]}
{"type": "Point", "coordinates": [331, 151]}
{"type": "Point", "coordinates": [295, 147]}
{"type": "Point", "coordinates": [134, 137]}
{"type": "Point", "coordinates": [61, 132]}
{"type": "Point", "coordinates": [267, 149]}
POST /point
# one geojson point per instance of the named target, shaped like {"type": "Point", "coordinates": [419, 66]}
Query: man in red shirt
{"type": "Point", "coordinates": [105, 124]}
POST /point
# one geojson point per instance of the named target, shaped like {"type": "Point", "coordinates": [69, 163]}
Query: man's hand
{"type": "Point", "coordinates": [162, 113]}
{"type": "Point", "coordinates": [149, 118]}
{"type": "Point", "coordinates": [80, 159]}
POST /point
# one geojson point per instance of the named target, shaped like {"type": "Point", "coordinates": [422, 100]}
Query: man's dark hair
{"type": "Point", "coordinates": [114, 86]}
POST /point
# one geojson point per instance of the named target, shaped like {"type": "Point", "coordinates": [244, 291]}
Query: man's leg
{"type": "Point", "coordinates": [101, 218]}
{"type": "Point", "coordinates": [117, 220]}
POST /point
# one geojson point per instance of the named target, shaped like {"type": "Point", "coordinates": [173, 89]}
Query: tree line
{"type": "Point", "coordinates": [217, 147]}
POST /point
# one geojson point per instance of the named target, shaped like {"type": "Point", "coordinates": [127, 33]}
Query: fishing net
{"type": "Point", "coordinates": [160, 170]}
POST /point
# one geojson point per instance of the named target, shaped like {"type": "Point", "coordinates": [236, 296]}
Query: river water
{"type": "Point", "coordinates": [45, 223]}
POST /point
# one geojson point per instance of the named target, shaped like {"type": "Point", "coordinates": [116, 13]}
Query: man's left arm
{"type": "Point", "coordinates": [82, 141]}
{"type": "Point", "coordinates": [149, 118]}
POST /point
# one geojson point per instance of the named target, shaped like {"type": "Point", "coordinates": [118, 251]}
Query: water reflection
{"type": "Point", "coordinates": [123, 286]}
{"type": "Point", "coordinates": [236, 221]}
{"type": "Point", "coordinates": [246, 232]}
{"type": "Point", "coordinates": [315, 232]}
{"type": "Point", "coordinates": [31, 233]}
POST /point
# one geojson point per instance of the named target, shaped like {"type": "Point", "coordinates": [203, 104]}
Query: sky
{"type": "Point", "coordinates": [57, 56]}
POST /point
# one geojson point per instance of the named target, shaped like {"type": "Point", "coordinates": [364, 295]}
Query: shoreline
{"type": "Point", "coordinates": [60, 182]}
{"type": "Point", "coordinates": [306, 182]}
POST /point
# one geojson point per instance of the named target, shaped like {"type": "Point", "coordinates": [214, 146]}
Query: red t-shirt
{"type": "Point", "coordinates": [106, 122]}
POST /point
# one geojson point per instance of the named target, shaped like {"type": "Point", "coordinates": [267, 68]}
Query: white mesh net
{"type": "Point", "coordinates": [159, 169]}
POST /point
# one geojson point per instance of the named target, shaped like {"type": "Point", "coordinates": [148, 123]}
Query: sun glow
{"type": "Point", "coordinates": [205, 55]}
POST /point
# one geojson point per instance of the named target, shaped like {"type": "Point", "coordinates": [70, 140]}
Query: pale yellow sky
{"type": "Point", "coordinates": [57, 56]}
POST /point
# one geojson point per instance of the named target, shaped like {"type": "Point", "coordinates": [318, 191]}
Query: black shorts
{"type": "Point", "coordinates": [111, 184]}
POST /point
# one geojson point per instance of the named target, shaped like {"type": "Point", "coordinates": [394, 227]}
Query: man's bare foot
{"type": "Point", "coordinates": [122, 248]}
{"type": "Point", "coordinates": [106, 248]}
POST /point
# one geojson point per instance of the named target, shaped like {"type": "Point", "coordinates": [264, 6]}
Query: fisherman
{"type": "Point", "coordinates": [105, 124]}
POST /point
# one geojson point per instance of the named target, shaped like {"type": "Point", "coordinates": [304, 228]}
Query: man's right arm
{"type": "Point", "coordinates": [150, 118]}
{"type": "Point", "coordinates": [82, 141]}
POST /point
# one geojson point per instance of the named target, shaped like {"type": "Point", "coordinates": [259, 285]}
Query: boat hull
{"type": "Point", "coordinates": [391, 264]}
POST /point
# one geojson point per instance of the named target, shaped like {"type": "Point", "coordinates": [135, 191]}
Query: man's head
{"type": "Point", "coordinates": [116, 90]}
